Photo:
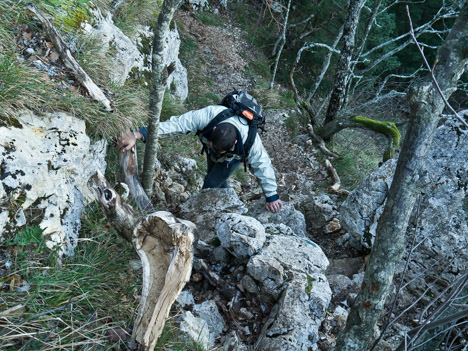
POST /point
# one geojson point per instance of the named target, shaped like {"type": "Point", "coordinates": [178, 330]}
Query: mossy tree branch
{"type": "Point", "coordinates": [389, 129]}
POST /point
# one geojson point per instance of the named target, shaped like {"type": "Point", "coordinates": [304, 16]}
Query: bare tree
{"type": "Point", "coordinates": [159, 76]}
{"type": "Point", "coordinates": [342, 74]}
{"type": "Point", "coordinates": [282, 41]}
{"type": "Point", "coordinates": [426, 108]}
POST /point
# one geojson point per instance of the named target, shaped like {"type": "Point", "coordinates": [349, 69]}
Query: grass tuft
{"type": "Point", "coordinates": [72, 305]}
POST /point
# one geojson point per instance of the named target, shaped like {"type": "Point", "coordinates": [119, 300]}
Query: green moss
{"type": "Point", "coordinates": [76, 16]}
{"type": "Point", "coordinates": [387, 128]}
{"type": "Point", "coordinates": [310, 284]}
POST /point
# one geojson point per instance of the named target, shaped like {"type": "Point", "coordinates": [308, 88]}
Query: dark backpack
{"type": "Point", "coordinates": [242, 104]}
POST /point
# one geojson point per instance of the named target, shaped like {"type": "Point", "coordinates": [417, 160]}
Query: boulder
{"type": "Point", "coordinates": [176, 179]}
{"type": "Point", "coordinates": [196, 329]}
{"type": "Point", "coordinates": [319, 211]}
{"type": "Point", "coordinates": [242, 236]}
{"type": "Point", "coordinates": [362, 208]}
{"type": "Point", "coordinates": [295, 320]}
{"type": "Point", "coordinates": [127, 53]}
{"type": "Point", "coordinates": [272, 266]}
{"type": "Point", "coordinates": [46, 162]}
{"type": "Point", "coordinates": [439, 217]}
{"type": "Point", "coordinates": [287, 216]}
{"type": "Point", "coordinates": [204, 324]}
{"type": "Point", "coordinates": [209, 312]}
{"type": "Point", "coordinates": [207, 206]}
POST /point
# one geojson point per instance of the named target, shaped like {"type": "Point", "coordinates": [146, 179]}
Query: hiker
{"type": "Point", "coordinates": [224, 147]}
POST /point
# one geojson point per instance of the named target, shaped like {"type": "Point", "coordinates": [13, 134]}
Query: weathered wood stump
{"type": "Point", "coordinates": [163, 243]}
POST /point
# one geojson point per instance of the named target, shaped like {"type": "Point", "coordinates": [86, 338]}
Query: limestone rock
{"type": "Point", "coordinates": [271, 267]}
{"type": "Point", "coordinates": [208, 311]}
{"type": "Point", "coordinates": [440, 218]}
{"type": "Point", "coordinates": [126, 53]}
{"type": "Point", "coordinates": [177, 178]}
{"type": "Point", "coordinates": [196, 329]}
{"type": "Point", "coordinates": [288, 216]}
{"type": "Point", "coordinates": [294, 323]}
{"type": "Point", "coordinates": [207, 206]}
{"type": "Point", "coordinates": [362, 208]}
{"type": "Point", "coordinates": [46, 163]}
{"type": "Point", "coordinates": [319, 211]}
{"type": "Point", "coordinates": [204, 324]}
{"type": "Point", "coordinates": [242, 236]}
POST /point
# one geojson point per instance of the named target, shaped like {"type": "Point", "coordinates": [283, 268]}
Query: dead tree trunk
{"type": "Point", "coordinates": [163, 243]}
{"type": "Point", "coordinates": [389, 246]}
{"type": "Point", "coordinates": [159, 76]}
{"type": "Point", "coordinates": [343, 73]}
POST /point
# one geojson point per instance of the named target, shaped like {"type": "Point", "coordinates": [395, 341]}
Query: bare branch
{"type": "Point", "coordinates": [326, 64]}
{"type": "Point", "coordinates": [413, 36]}
{"type": "Point", "coordinates": [283, 41]}
{"type": "Point", "coordinates": [321, 143]}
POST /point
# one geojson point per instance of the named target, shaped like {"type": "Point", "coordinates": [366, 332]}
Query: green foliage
{"type": "Point", "coordinates": [293, 127]}
{"type": "Point", "coordinates": [27, 236]}
{"type": "Point", "coordinates": [132, 12]}
{"type": "Point", "coordinates": [171, 107]}
{"type": "Point", "coordinates": [240, 175]}
{"type": "Point", "coordinates": [73, 303]}
{"type": "Point", "coordinates": [249, 19]}
{"type": "Point", "coordinates": [360, 153]}
{"type": "Point", "coordinates": [23, 86]}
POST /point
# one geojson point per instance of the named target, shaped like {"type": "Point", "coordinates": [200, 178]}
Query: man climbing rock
{"type": "Point", "coordinates": [224, 145]}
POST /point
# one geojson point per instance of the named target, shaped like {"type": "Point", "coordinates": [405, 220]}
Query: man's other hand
{"type": "Point", "coordinates": [127, 141]}
{"type": "Point", "coordinates": [274, 206]}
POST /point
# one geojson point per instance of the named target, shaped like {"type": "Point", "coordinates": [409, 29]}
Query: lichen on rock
{"type": "Point", "coordinates": [45, 168]}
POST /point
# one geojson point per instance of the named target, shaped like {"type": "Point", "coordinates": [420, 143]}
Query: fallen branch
{"type": "Point", "coordinates": [94, 91]}
{"type": "Point", "coordinates": [335, 178]}
{"type": "Point", "coordinates": [163, 243]}
{"type": "Point", "coordinates": [321, 143]}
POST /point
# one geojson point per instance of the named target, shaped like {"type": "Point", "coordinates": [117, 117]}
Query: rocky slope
{"type": "Point", "coordinates": [272, 281]}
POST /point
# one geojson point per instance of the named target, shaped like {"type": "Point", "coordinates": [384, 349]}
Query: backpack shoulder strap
{"type": "Point", "coordinates": [218, 119]}
{"type": "Point", "coordinates": [250, 138]}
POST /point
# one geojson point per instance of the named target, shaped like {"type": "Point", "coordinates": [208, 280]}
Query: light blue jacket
{"type": "Point", "coordinates": [258, 158]}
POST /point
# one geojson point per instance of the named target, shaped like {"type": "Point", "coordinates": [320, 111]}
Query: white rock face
{"type": "Point", "coordinates": [127, 54]}
{"type": "Point", "coordinates": [178, 80]}
{"type": "Point", "coordinates": [46, 163]}
{"type": "Point", "coordinates": [242, 236]}
{"type": "Point", "coordinates": [126, 51]}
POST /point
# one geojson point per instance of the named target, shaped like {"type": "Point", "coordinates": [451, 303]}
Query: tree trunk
{"type": "Point", "coordinates": [389, 246]}
{"type": "Point", "coordinates": [283, 41]}
{"type": "Point", "coordinates": [159, 77]}
{"type": "Point", "coordinates": [343, 73]}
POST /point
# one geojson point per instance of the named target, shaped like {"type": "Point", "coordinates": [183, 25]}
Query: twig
{"type": "Point", "coordinates": [431, 71]}
{"type": "Point", "coordinates": [321, 142]}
